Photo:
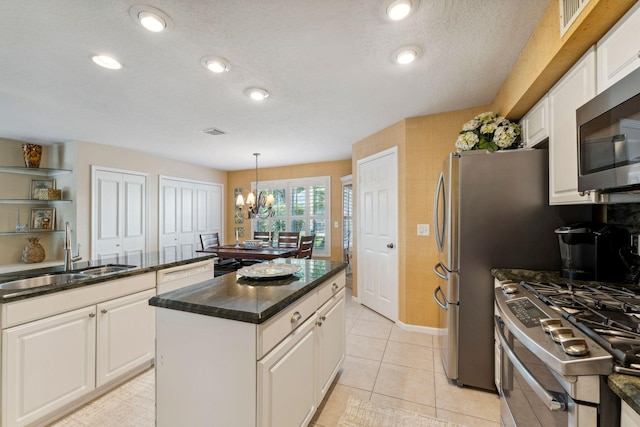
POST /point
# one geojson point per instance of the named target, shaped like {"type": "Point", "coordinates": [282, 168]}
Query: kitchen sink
{"type": "Point", "coordinates": [106, 269]}
{"type": "Point", "coordinates": [49, 279]}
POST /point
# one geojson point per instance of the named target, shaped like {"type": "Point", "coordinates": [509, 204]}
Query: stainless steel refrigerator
{"type": "Point", "coordinates": [490, 210]}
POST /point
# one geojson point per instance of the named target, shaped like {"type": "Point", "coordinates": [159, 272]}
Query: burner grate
{"type": "Point", "coordinates": [610, 316]}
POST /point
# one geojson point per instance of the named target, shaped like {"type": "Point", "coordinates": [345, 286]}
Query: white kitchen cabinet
{"type": "Point", "coordinates": [126, 335]}
{"type": "Point", "coordinates": [535, 124]}
{"type": "Point", "coordinates": [331, 341]}
{"type": "Point", "coordinates": [287, 380]}
{"type": "Point", "coordinates": [575, 88]}
{"type": "Point", "coordinates": [59, 348]}
{"type": "Point", "coordinates": [46, 365]}
{"type": "Point", "coordinates": [618, 52]}
{"type": "Point", "coordinates": [628, 416]}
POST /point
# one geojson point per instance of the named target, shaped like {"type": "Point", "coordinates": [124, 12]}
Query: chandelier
{"type": "Point", "coordinates": [260, 206]}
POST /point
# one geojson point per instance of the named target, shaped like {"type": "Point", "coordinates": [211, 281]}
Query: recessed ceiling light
{"type": "Point", "coordinates": [396, 10]}
{"type": "Point", "coordinates": [152, 22]}
{"type": "Point", "coordinates": [215, 64]}
{"type": "Point", "coordinates": [151, 18]}
{"type": "Point", "coordinates": [107, 62]}
{"type": "Point", "coordinates": [256, 93]}
{"type": "Point", "coordinates": [406, 55]}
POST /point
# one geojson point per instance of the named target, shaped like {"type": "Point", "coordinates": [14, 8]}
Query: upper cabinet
{"type": "Point", "coordinates": [535, 124]}
{"type": "Point", "coordinates": [619, 50]}
{"type": "Point", "coordinates": [575, 88]}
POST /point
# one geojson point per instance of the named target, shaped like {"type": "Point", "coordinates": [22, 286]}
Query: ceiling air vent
{"type": "Point", "coordinates": [569, 11]}
{"type": "Point", "coordinates": [213, 131]}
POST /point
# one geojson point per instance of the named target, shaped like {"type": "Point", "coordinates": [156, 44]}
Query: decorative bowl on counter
{"type": "Point", "coordinates": [252, 244]}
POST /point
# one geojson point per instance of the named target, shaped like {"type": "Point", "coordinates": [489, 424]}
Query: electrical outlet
{"type": "Point", "coordinates": [423, 229]}
{"type": "Point", "coordinates": [335, 224]}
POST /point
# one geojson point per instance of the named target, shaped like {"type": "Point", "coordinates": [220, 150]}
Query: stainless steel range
{"type": "Point", "coordinates": [555, 346]}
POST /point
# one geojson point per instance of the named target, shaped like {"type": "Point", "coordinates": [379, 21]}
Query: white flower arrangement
{"type": "Point", "coordinates": [488, 131]}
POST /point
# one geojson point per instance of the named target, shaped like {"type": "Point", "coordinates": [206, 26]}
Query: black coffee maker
{"type": "Point", "coordinates": [591, 251]}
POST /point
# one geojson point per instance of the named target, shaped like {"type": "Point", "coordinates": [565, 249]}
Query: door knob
{"type": "Point", "coordinates": [390, 245]}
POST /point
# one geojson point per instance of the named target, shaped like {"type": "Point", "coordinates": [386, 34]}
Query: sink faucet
{"type": "Point", "coordinates": [69, 259]}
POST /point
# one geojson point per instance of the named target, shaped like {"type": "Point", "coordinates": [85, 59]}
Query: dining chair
{"type": "Point", "coordinates": [305, 248]}
{"type": "Point", "coordinates": [209, 239]}
{"type": "Point", "coordinates": [288, 239]}
{"type": "Point", "coordinates": [261, 235]}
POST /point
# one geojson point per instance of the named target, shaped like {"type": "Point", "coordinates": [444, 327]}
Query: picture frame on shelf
{"type": "Point", "coordinates": [42, 219]}
{"type": "Point", "coordinates": [41, 184]}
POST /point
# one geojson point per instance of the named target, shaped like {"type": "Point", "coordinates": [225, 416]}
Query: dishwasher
{"type": "Point", "coordinates": [170, 279]}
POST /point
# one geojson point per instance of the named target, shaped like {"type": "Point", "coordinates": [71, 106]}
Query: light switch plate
{"type": "Point", "coordinates": [423, 229]}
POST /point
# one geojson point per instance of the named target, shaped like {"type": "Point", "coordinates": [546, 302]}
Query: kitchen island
{"type": "Point", "coordinates": [238, 351]}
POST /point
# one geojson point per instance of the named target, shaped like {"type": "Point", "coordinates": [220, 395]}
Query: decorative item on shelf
{"type": "Point", "coordinates": [20, 227]}
{"type": "Point", "coordinates": [41, 184]}
{"type": "Point", "coordinates": [33, 252]}
{"type": "Point", "coordinates": [32, 154]}
{"type": "Point", "coordinates": [43, 219]}
{"type": "Point", "coordinates": [489, 131]}
{"type": "Point", "coordinates": [259, 205]}
{"type": "Point", "coordinates": [50, 194]}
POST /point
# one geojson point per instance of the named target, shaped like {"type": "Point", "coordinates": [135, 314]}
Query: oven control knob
{"type": "Point", "coordinates": [575, 346]}
{"type": "Point", "coordinates": [550, 323]}
{"type": "Point", "coordinates": [559, 334]}
{"type": "Point", "coordinates": [509, 288]}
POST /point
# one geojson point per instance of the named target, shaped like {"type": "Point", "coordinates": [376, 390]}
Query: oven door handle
{"type": "Point", "coordinates": [545, 395]}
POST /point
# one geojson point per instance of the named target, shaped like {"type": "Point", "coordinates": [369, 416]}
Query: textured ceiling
{"type": "Point", "coordinates": [326, 64]}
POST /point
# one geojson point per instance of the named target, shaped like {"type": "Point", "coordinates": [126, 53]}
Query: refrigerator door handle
{"type": "Point", "coordinates": [443, 304]}
{"type": "Point", "coordinates": [440, 271]}
{"type": "Point", "coordinates": [436, 205]}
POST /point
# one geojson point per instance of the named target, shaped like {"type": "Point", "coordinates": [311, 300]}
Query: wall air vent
{"type": "Point", "coordinates": [569, 11]}
{"type": "Point", "coordinates": [213, 131]}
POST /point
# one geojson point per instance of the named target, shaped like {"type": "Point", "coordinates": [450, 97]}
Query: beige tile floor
{"type": "Point", "coordinates": [388, 365]}
{"type": "Point", "coordinates": [384, 364]}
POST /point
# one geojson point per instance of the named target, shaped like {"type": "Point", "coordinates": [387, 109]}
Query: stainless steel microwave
{"type": "Point", "coordinates": [609, 138]}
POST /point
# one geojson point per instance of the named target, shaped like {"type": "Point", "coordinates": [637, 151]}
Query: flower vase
{"type": "Point", "coordinates": [32, 154]}
{"type": "Point", "coordinates": [33, 252]}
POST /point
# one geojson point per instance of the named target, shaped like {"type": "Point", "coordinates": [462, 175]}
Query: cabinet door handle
{"type": "Point", "coordinates": [296, 316]}
{"type": "Point", "coordinates": [638, 54]}
{"type": "Point", "coordinates": [335, 287]}
{"type": "Point", "coordinates": [103, 311]}
{"type": "Point", "coordinates": [320, 320]}
{"type": "Point", "coordinates": [92, 315]}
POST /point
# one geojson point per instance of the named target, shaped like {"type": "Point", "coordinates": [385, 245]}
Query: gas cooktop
{"type": "Point", "coordinates": [610, 316]}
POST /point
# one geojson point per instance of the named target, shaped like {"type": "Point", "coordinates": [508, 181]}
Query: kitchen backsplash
{"type": "Point", "coordinates": [626, 215]}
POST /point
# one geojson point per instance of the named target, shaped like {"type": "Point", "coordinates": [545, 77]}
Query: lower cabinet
{"type": "Point", "coordinates": [50, 363]}
{"type": "Point", "coordinates": [286, 380]}
{"type": "Point", "coordinates": [126, 335]}
{"type": "Point", "coordinates": [628, 416]}
{"type": "Point", "coordinates": [47, 364]}
{"type": "Point", "coordinates": [331, 342]}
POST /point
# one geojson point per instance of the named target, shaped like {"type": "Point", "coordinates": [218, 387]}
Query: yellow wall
{"type": "Point", "coordinates": [546, 57]}
{"type": "Point", "coordinates": [242, 179]}
{"type": "Point", "coordinates": [423, 142]}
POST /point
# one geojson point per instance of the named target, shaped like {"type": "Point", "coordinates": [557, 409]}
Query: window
{"type": "Point", "coordinates": [300, 205]}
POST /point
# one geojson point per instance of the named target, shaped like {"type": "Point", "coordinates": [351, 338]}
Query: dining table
{"type": "Point", "coordinates": [240, 252]}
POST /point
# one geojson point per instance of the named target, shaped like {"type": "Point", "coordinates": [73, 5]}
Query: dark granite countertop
{"type": "Point", "coordinates": [151, 261]}
{"type": "Point", "coordinates": [253, 301]}
{"type": "Point", "coordinates": [627, 387]}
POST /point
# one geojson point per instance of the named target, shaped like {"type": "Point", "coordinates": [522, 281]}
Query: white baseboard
{"type": "Point", "coordinates": [412, 328]}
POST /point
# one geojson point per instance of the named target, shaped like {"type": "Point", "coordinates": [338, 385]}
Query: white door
{"type": "Point", "coordinates": [187, 209]}
{"type": "Point", "coordinates": [377, 232]}
{"type": "Point", "coordinates": [119, 212]}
